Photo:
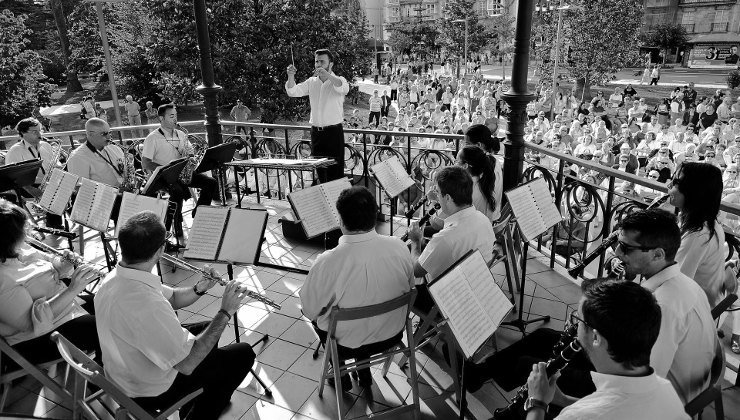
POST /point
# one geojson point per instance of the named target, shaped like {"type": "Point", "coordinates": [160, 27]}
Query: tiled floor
{"type": "Point", "coordinates": [285, 361]}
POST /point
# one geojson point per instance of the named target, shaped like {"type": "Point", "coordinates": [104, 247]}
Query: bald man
{"type": "Point", "coordinates": [97, 159]}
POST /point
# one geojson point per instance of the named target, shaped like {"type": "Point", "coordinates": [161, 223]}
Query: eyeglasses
{"type": "Point", "coordinates": [653, 176]}
{"type": "Point", "coordinates": [627, 248]}
{"type": "Point", "coordinates": [104, 133]}
{"type": "Point", "coordinates": [575, 319]}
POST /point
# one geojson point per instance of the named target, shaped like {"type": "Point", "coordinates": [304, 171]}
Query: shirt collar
{"type": "Point", "coordinates": [358, 237]}
{"type": "Point", "coordinates": [625, 384]}
{"type": "Point", "coordinates": [657, 280]}
{"type": "Point", "coordinates": [456, 218]}
{"type": "Point", "coordinates": [148, 279]}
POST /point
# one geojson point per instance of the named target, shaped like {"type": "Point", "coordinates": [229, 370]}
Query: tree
{"type": "Point", "coordinates": [413, 37]}
{"type": "Point", "coordinates": [22, 81]}
{"type": "Point", "coordinates": [666, 36]}
{"type": "Point", "coordinates": [60, 18]}
{"type": "Point", "coordinates": [452, 34]}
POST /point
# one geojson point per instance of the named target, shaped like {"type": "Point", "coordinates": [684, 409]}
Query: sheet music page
{"type": "Point", "coordinates": [542, 197]}
{"type": "Point", "coordinates": [457, 301]}
{"type": "Point", "coordinates": [392, 176]}
{"type": "Point", "coordinates": [331, 192]}
{"type": "Point", "coordinates": [58, 191]}
{"type": "Point", "coordinates": [487, 292]}
{"type": "Point", "coordinates": [527, 215]}
{"type": "Point", "coordinates": [205, 235]}
{"type": "Point", "coordinates": [313, 211]}
{"type": "Point", "coordinates": [132, 204]}
{"type": "Point", "coordinates": [102, 206]}
{"type": "Point", "coordinates": [152, 177]}
{"type": "Point", "coordinates": [243, 236]}
{"type": "Point", "coordinates": [83, 201]}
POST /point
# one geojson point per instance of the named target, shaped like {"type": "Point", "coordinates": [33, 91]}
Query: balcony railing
{"type": "Point", "coordinates": [590, 203]}
{"type": "Point", "coordinates": [704, 2]}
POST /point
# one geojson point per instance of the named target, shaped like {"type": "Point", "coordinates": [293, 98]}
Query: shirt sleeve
{"type": "Point", "coordinates": [664, 349]}
{"type": "Point", "coordinates": [19, 311]}
{"type": "Point", "coordinates": [691, 253]}
{"type": "Point", "coordinates": [15, 155]}
{"type": "Point", "coordinates": [317, 293]}
{"type": "Point", "coordinates": [434, 258]}
{"type": "Point", "coordinates": [149, 148]}
{"type": "Point", "coordinates": [342, 89]}
{"type": "Point", "coordinates": [299, 90]}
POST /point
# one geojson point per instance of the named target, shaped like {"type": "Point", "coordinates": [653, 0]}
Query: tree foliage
{"type": "Point", "coordinates": [22, 81]}
{"type": "Point", "coordinates": [413, 37]}
{"type": "Point", "coordinates": [452, 34]}
{"type": "Point", "coordinates": [666, 36]}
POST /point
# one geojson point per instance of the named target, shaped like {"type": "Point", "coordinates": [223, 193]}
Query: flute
{"type": "Point", "coordinates": [75, 259]}
{"type": "Point", "coordinates": [207, 274]}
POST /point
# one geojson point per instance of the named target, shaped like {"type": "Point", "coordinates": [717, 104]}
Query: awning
{"type": "Point", "coordinates": [714, 38]}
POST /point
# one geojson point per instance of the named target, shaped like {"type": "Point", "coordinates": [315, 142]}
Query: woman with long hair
{"type": "Point", "coordinates": [487, 189]}
{"type": "Point", "coordinates": [696, 191]}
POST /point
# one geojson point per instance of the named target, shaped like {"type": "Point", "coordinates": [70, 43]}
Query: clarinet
{"type": "Point", "coordinates": [417, 206]}
{"type": "Point", "coordinates": [423, 219]}
{"type": "Point", "coordinates": [610, 240]}
{"type": "Point", "coordinates": [564, 351]}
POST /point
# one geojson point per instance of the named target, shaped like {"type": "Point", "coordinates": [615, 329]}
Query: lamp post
{"type": "Point", "coordinates": [106, 54]}
{"type": "Point", "coordinates": [466, 40]}
{"type": "Point", "coordinates": [208, 89]}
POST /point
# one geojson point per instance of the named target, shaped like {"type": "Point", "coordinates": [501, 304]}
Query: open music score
{"type": "Point", "coordinates": [392, 176]}
{"type": "Point", "coordinates": [94, 204]}
{"type": "Point", "coordinates": [226, 234]}
{"type": "Point", "coordinates": [316, 207]}
{"type": "Point", "coordinates": [58, 191]}
{"type": "Point", "coordinates": [474, 305]}
{"type": "Point", "coordinates": [533, 208]}
{"type": "Point", "coordinates": [135, 203]}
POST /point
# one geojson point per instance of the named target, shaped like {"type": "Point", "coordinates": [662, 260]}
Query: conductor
{"type": "Point", "coordinates": [326, 92]}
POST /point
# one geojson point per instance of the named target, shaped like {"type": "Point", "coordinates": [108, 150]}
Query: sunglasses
{"type": "Point", "coordinates": [104, 133]}
{"type": "Point", "coordinates": [627, 248]}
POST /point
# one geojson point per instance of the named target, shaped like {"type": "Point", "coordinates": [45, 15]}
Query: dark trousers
{"type": "Point", "coordinates": [384, 111]}
{"type": "Point", "coordinates": [394, 94]}
{"type": "Point", "coordinates": [329, 142]}
{"type": "Point", "coordinates": [654, 81]}
{"type": "Point", "coordinates": [178, 192]}
{"type": "Point", "coordinates": [360, 353]}
{"type": "Point", "coordinates": [80, 331]}
{"type": "Point", "coordinates": [219, 374]}
{"type": "Point", "coordinates": [374, 115]}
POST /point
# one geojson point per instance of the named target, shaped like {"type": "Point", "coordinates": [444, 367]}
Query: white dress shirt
{"type": "Point", "coordinates": [141, 338]}
{"type": "Point", "coordinates": [466, 230]}
{"type": "Point", "coordinates": [327, 100]}
{"type": "Point", "coordinates": [23, 151]}
{"type": "Point", "coordinates": [685, 348]}
{"type": "Point", "coordinates": [162, 148]}
{"type": "Point", "coordinates": [364, 269]}
{"type": "Point", "coordinates": [624, 397]}
{"type": "Point", "coordinates": [703, 259]}
{"type": "Point", "coordinates": [106, 166]}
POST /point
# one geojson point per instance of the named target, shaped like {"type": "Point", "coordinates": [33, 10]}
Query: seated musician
{"type": "Point", "coordinates": [166, 144]}
{"type": "Point", "coordinates": [465, 228]}
{"type": "Point", "coordinates": [32, 146]}
{"type": "Point", "coordinates": [34, 302]}
{"type": "Point", "coordinates": [619, 323]}
{"type": "Point", "coordinates": [364, 269]}
{"type": "Point", "coordinates": [146, 351]}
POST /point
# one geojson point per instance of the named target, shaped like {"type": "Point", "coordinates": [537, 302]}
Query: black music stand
{"type": "Point", "coordinates": [167, 175]}
{"type": "Point", "coordinates": [15, 176]}
{"type": "Point", "coordinates": [214, 159]}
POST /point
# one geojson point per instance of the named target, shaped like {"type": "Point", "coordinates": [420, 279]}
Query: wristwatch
{"type": "Point", "coordinates": [532, 403]}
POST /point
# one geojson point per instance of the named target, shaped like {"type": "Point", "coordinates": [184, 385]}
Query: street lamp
{"type": "Point", "coordinates": [466, 40]}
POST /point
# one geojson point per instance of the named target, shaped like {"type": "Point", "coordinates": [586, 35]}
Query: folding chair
{"type": "Point", "coordinates": [27, 368]}
{"type": "Point", "coordinates": [86, 370]}
{"type": "Point", "coordinates": [339, 315]}
{"type": "Point", "coordinates": [713, 394]}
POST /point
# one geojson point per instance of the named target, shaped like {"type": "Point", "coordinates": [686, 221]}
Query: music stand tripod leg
{"type": "Point", "coordinates": [520, 323]}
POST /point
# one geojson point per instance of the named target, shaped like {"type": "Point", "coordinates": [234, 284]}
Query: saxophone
{"type": "Point", "coordinates": [131, 182]}
{"type": "Point", "coordinates": [198, 150]}
{"type": "Point", "coordinates": [56, 152]}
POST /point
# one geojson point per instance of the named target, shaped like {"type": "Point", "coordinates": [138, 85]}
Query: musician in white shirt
{"type": "Point", "coordinates": [97, 159]}
{"type": "Point", "coordinates": [326, 92]}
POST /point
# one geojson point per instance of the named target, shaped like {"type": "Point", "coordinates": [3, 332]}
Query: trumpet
{"type": "Point", "coordinates": [75, 259]}
{"type": "Point", "coordinates": [207, 274]}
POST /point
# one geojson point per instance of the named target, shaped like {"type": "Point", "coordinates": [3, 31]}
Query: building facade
{"type": "Point", "coordinates": [430, 10]}
{"type": "Point", "coordinates": [713, 27]}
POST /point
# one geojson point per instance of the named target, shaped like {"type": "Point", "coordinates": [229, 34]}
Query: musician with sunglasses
{"type": "Point", "coordinates": [618, 325]}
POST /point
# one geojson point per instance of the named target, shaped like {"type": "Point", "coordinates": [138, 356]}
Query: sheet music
{"type": "Point", "coordinates": [132, 204]}
{"type": "Point", "coordinates": [331, 192]}
{"type": "Point", "coordinates": [94, 204]}
{"type": "Point", "coordinates": [469, 322]}
{"type": "Point", "coordinates": [544, 201]}
{"type": "Point", "coordinates": [58, 191]}
{"type": "Point", "coordinates": [485, 289]}
{"type": "Point", "coordinates": [392, 176]}
{"type": "Point", "coordinates": [206, 233]}
{"type": "Point", "coordinates": [243, 236]}
{"type": "Point", "coordinates": [313, 211]}
{"type": "Point", "coordinates": [527, 214]}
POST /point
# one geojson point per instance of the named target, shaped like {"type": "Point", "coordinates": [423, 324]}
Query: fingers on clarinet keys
{"type": "Point", "coordinates": [232, 297]}
{"type": "Point", "coordinates": [82, 276]}
{"type": "Point", "coordinates": [539, 386]}
{"type": "Point", "coordinates": [414, 232]}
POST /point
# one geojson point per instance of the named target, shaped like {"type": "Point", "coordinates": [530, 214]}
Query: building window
{"type": "Point", "coordinates": [657, 3]}
{"type": "Point", "coordinates": [721, 20]}
{"type": "Point", "coordinates": [494, 7]}
{"type": "Point", "coordinates": [687, 20]}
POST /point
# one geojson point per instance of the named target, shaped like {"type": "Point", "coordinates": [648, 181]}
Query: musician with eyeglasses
{"type": "Point", "coordinates": [146, 351]}
{"type": "Point", "coordinates": [162, 146]}
{"type": "Point", "coordinates": [97, 158]}
{"type": "Point", "coordinates": [32, 146]}
{"type": "Point", "coordinates": [618, 326]}
{"type": "Point", "coordinates": [35, 301]}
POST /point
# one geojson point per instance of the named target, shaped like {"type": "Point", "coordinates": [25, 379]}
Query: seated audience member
{"type": "Point", "coordinates": [618, 325]}
{"type": "Point", "coordinates": [364, 269]}
{"type": "Point", "coordinates": [34, 300]}
{"type": "Point", "coordinates": [147, 353]}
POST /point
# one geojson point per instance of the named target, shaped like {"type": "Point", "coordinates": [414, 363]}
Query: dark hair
{"type": "Point", "coordinates": [701, 186]}
{"type": "Point", "coordinates": [13, 224]}
{"type": "Point", "coordinates": [357, 208]}
{"type": "Point", "coordinates": [25, 124]}
{"type": "Point", "coordinates": [481, 166]}
{"type": "Point", "coordinates": [656, 228]}
{"type": "Point", "coordinates": [457, 183]}
{"type": "Point", "coordinates": [324, 51]}
{"type": "Point", "coordinates": [626, 314]}
{"type": "Point", "coordinates": [141, 237]}
{"type": "Point", "coordinates": [479, 133]}
{"type": "Point", "coordinates": [162, 109]}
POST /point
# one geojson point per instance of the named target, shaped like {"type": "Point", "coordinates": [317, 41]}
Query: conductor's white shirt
{"type": "Point", "coordinates": [327, 100]}
{"type": "Point", "coordinates": [685, 347]}
{"type": "Point", "coordinates": [364, 269]}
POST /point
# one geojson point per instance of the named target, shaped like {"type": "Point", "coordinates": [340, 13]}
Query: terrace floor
{"type": "Point", "coordinates": [285, 361]}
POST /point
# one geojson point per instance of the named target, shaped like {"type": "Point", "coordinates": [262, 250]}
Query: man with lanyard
{"type": "Point", "coordinates": [98, 159]}
{"type": "Point", "coordinates": [31, 146]}
{"type": "Point", "coordinates": [166, 144]}
{"type": "Point", "coordinates": [326, 92]}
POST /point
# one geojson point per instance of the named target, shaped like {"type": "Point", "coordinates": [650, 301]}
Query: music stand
{"type": "Point", "coordinates": [165, 175]}
{"type": "Point", "coordinates": [18, 175]}
{"type": "Point", "coordinates": [213, 160]}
